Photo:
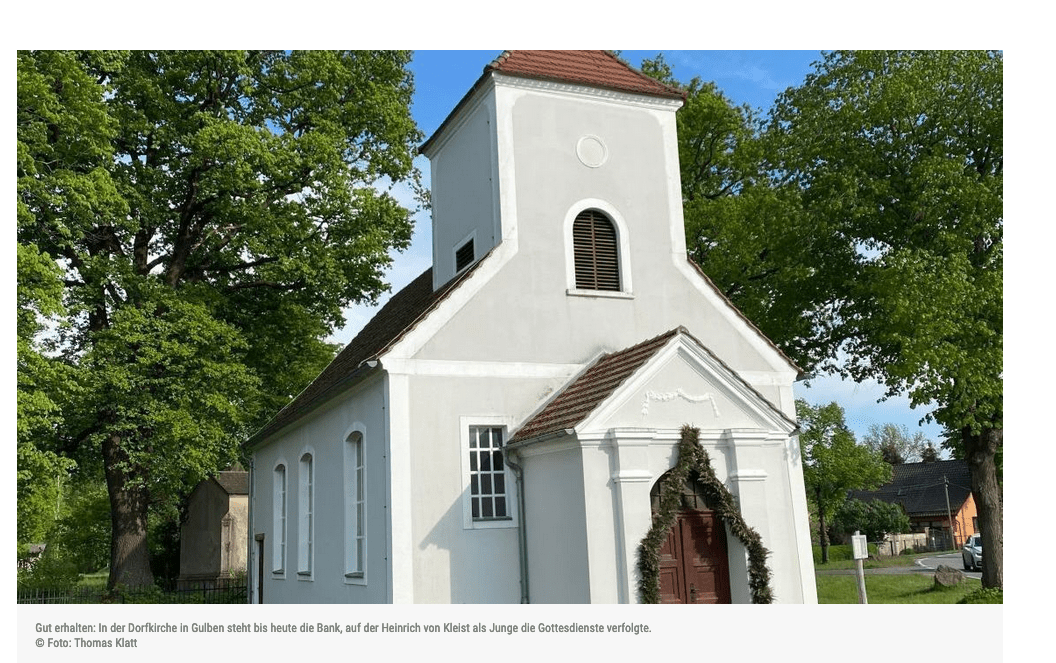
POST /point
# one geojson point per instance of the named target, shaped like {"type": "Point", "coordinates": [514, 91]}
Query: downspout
{"type": "Point", "coordinates": [522, 536]}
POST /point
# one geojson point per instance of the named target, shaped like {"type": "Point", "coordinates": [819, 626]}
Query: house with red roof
{"type": "Point", "coordinates": [499, 432]}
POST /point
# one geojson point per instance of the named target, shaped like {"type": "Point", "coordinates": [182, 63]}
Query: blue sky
{"type": "Point", "coordinates": [745, 77]}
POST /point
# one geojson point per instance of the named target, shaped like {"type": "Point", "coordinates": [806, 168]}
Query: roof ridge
{"type": "Point", "coordinates": [581, 67]}
{"type": "Point", "coordinates": [498, 61]}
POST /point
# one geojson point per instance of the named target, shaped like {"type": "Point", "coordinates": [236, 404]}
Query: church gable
{"type": "Point", "coordinates": [685, 384]}
{"type": "Point", "coordinates": [662, 383]}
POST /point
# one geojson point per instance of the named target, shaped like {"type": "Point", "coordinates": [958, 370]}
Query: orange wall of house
{"type": "Point", "coordinates": [963, 522]}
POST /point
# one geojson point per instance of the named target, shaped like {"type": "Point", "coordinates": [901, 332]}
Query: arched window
{"type": "Point", "coordinates": [278, 545]}
{"type": "Point", "coordinates": [596, 250]}
{"type": "Point", "coordinates": [307, 522]}
{"type": "Point", "coordinates": [355, 506]}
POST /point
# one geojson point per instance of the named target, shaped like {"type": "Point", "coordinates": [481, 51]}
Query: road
{"type": "Point", "coordinates": [949, 559]}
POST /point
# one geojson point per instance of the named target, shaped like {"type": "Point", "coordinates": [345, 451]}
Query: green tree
{"type": "Point", "coordinates": [929, 454]}
{"type": "Point", "coordinates": [833, 463]}
{"type": "Point", "coordinates": [875, 518]}
{"type": "Point", "coordinates": [65, 176]}
{"type": "Point", "coordinates": [901, 154]}
{"type": "Point", "coordinates": [895, 443]}
{"type": "Point", "coordinates": [780, 266]}
{"type": "Point", "coordinates": [210, 214]}
{"type": "Point", "coordinates": [41, 472]}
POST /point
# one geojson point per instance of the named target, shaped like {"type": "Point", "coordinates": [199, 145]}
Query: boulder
{"type": "Point", "coordinates": [947, 576]}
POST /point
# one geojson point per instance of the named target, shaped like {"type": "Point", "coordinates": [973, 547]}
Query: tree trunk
{"type": "Point", "coordinates": [823, 537]}
{"type": "Point", "coordinates": [981, 449]}
{"type": "Point", "coordinates": [129, 555]}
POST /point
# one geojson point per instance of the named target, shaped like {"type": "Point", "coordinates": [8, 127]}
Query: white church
{"type": "Point", "coordinates": [499, 431]}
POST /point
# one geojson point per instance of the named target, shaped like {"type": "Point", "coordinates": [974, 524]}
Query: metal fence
{"type": "Point", "coordinates": [224, 594]}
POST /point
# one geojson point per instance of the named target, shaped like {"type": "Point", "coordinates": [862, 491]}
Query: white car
{"type": "Point", "coordinates": [972, 553]}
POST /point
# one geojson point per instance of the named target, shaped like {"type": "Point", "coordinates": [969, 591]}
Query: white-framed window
{"type": "Point", "coordinates": [490, 493]}
{"type": "Point", "coordinates": [278, 520]}
{"type": "Point", "coordinates": [597, 251]}
{"type": "Point", "coordinates": [355, 508]}
{"type": "Point", "coordinates": [306, 507]}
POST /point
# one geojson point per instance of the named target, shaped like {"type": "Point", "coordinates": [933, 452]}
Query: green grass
{"type": "Point", "coordinates": [885, 562]}
{"type": "Point", "coordinates": [897, 588]}
{"type": "Point", "coordinates": [839, 553]}
{"type": "Point", "coordinates": [95, 580]}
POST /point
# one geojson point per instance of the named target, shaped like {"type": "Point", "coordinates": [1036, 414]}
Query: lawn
{"type": "Point", "coordinates": [891, 588]}
{"type": "Point", "coordinates": [883, 587]}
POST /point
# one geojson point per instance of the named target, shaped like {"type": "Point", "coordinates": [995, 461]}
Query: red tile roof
{"type": "Point", "coordinates": [587, 392]}
{"type": "Point", "coordinates": [595, 68]}
{"type": "Point", "coordinates": [590, 389]}
{"type": "Point", "coordinates": [599, 69]}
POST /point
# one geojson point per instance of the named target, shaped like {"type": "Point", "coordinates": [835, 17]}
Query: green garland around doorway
{"type": "Point", "coordinates": [693, 458]}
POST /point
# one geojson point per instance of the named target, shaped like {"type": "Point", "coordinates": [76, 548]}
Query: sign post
{"type": "Point", "coordinates": [860, 548]}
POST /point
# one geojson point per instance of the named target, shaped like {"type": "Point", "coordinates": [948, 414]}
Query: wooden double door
{"type": "Point", "coordinates": [694, 563]}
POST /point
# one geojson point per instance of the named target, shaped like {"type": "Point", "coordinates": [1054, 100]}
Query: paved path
{"type": "Point", "coordinates": [949, 559]}
{"type": "Point", "coordinates": [921, 565]}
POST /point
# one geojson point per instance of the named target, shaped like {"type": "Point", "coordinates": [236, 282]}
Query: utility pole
{"type": "Point", "coordinates": [949, 515]}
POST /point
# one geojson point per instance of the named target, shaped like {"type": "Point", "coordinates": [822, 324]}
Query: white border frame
{"type": "Point", "coordinates": [349, 474]}
{"type": "Point", "coordinates": [623, 247]}
{"type": "Point", "coordinates": [493, 421]}
{"type": "Point", "coordinates": [305, 558]}
{"type": "Point", "coordinates": [280, 534]}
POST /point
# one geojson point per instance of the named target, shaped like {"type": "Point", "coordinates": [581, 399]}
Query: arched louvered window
{"type": "Point", "coordinates": [597, 259]}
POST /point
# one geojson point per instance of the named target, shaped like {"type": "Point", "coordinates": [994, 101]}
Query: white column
{"type": "Point", "coordinates": [398, 450]}
{"type": "Point", "coordinates": [632, 481]}
{"type": "Point", "coordinates": [748, 485]}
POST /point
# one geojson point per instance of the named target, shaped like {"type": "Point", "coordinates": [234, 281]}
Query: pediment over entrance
{"type": "Point", "coordinates": [681, 386]}
{"type": "Point", "coordinates": [662, 383]}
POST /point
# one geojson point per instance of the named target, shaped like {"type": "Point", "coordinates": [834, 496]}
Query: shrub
{"type": "Point", "coordinates": [55, 568]}
{"type": "Point", "coordinates": [907, 551]}
{"type": "Point", "coordinates": [986, 595]}
{"type": "Point", "coordinates": [84, 531]}
{"type": "Point", "coordinates": [875, 519]}
{"type": "Point", "coordinates": [839, 553]}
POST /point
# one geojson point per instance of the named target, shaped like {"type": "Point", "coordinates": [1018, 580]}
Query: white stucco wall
{"type": "Point", "coordinates": [454, 560]}
{"type": "Point", "coordinates": [524, 313]}
{"type": "Point", "coordinates": [464, 188]}
{"type": "Point", "coordinates": [518, 310]}
{"type": "Point", "coordinates": [506, 340]}
{"type": "Point", "coordinates": [324, 433]}
{"type": "Point", "coordinates": [556, 519]}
